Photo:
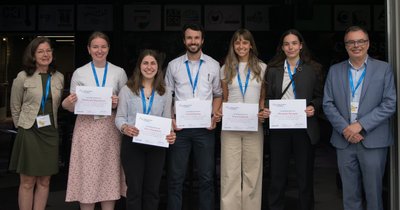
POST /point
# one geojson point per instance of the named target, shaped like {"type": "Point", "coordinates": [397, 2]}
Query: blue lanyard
{"type": "Point", "coordinates": [291, 76]}
{"type": "Point", "coordinates": [104, 76]}
{"type": "Point", "coordinates": [353, 90]}
{"type": "Point", "coordinates": [190, 75]}
{"type": "Point", "coordinates": [240, 81]}
{"type": "Point", "coordinates": [146, 111]}
{"type": "Point", "coordinates": [44, 98]}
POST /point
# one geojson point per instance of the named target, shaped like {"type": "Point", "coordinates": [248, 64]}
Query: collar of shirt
{"type": "Point", "coordinates": [361, 67]}
{"type": "Point", "coordinates": [186, 58]}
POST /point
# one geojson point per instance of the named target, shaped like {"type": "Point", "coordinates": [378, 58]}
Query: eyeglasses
{"type": "Point", "coordinates": [360, 42]}
{"type": "Point", "coordinates": [42, 52]}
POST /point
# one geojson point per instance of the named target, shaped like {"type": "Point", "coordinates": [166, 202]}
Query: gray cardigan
{"type": "Point", "coordinates": [129, 104]}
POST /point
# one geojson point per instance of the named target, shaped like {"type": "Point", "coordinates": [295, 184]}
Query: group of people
{"type": "Point", "coordinates": [358, 99]}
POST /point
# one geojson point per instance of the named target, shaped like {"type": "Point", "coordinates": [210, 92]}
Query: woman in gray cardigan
{"type": "Point", "coordinates": [143, 164]}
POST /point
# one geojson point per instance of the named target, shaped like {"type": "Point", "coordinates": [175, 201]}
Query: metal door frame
{"type": "Point", "coordinates": [393, 46]}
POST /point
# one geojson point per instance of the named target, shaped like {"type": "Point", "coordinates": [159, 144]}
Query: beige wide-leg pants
{"type": "Point", "coordinates": [241, 169]}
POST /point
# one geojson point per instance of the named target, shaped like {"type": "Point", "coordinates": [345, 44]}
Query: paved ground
{"type": "Point", "coordinates": [327, 195]}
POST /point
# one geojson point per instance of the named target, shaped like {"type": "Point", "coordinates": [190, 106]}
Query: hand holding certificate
{"type": "Point", "coordinates": [153, 130]}
{"type": "Point", "coordinates": [193, 114]}
{"type": "Point", "coordinates": [239, 117]}
{"type": "Point", "coordinates": [287, 114]}
{"type": "Point", "coordinates": [93, 100]}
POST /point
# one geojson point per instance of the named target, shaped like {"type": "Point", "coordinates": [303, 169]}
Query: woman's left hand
{"type": "Point", "coordinates": [171, 137]}
{"type": "Point", "coordinates": [114, 99]}
{"type": "Point", "coordinates": [310, 111]}
{"type": "Point", "coordinates": [263, 114]}
{"type": "Point", "coordinates": [218, 115]}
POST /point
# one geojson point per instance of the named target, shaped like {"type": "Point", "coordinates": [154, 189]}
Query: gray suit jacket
{"type": "Point", "coordinates": [377, 103]}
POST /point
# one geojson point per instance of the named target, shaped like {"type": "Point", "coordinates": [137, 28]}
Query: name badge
{"type": "Point", "coordinates": [98, 117]}
{"type": "Point", "coordinates": [43, 120]}
{"type": "Point", "coordinates": [354, 107]}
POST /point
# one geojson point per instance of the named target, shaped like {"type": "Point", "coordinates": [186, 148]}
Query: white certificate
{"type": "Point", "coordinates": [153, 130]}
{"type": "Point", "coordinates": [193, 114]}
{"type": "Point", "coordinates": [93, 100]}
{"type": "Point", "coordinates": [287, 114]}
{"type": "Point", "coordinates": [239, 117]}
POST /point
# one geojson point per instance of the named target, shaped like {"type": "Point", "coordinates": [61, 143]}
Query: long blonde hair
{"type": "Point", "coordinates": [232, 60]}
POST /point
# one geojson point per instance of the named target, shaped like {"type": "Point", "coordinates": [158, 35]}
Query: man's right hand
{"type": "Point", "coordinates": [351, 135]}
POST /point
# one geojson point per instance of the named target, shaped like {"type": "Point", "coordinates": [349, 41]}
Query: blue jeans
{"type": "Point", "coordinates": [201, 142]}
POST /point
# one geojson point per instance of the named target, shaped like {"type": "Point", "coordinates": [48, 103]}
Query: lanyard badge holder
{"type": "Point", "coordinates": [148, 109]}
{"type": "Point", "coordinates": [355, 104]}
{"type": "Point", "coordinates": [193, 84]}
{"type": "Point", "coordinates": [292, 77]}
{"type": "Point", "coordinates": [243, 90]}
{"type": "Point", "coordinates": [44, 119]}
{"type": "Point", "coordinates": [97, 117]}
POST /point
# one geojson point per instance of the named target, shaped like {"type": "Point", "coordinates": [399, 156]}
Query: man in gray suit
{"type": "Point", "coordinates": [359, 99]}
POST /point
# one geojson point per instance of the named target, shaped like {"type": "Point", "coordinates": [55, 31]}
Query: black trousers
{"type": "Point", "coordinates": [282, 144]}
{"type": "Point", "coordinates": [143, 167]}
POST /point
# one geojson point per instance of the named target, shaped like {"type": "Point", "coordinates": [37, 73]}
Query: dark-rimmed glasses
{"type": "Point", "coordinates": [360, 42]}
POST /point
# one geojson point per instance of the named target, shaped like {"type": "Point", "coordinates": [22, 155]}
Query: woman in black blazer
{"type": "Point", "coordinates": [293, 69]}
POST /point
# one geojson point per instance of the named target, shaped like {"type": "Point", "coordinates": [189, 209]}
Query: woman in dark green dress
{"type": "Point", "coordinates": [35, 98]}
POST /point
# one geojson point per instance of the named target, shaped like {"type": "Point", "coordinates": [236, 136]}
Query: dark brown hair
{"type": "Point", "coordinates": [135, 82]}
{"type": "Point", "coordinates": [280, 57]}
{"type": "Point", "coordinates": [194, 27]}
{"type": "Point", "coordinates": [355, 28]}
{"type": "Point", "coordinates": [29, 61]}
{"type": "Point", "coordinates": [305, 54]}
